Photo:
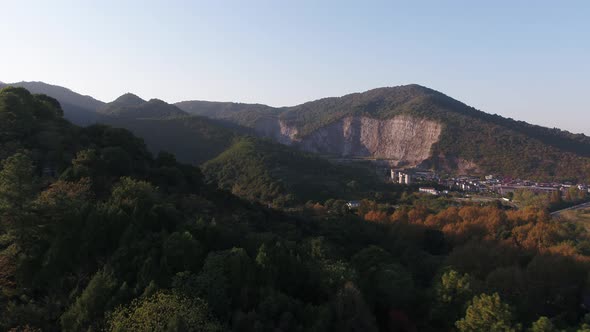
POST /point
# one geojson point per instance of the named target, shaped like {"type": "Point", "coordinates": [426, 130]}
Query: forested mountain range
{"type": "Point", "coordinates": [407, 126]}
{"type": "Point", "coordinates": [99, 234]}
{"type": "Point", "coordinates": [392, 123]}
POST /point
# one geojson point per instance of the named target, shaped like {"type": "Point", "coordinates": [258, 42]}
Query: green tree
{"type": "Point", "coordinates": [91, 304]}
{"type": "Point", "coordinates": [452, 293]}
{"type": "Point", "coordinates": [17, 188]}
{"type": "Point", "coordinates": [134, 196]}
{"type": "Point", "coordinates": [543, 324]}
{"type": "Point", "coordinates": [385, 283]}
{"type": "Point", "coordinates": [16, 114]}
{"type": "Point", "coordinates": [351, 313]}
{"type": "Point", "coordinates": [181, 252]}
{"type": "Point", "coordinates": [487, 313]}
{"type": "Point", "coordinates": [163, 311]}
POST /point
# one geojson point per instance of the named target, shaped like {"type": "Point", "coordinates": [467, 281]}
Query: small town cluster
{"type": "Point", "coordinates": [474, 184]}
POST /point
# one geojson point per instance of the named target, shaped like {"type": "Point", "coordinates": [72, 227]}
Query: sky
{"type": "Point", "coordinates": [528, 60]}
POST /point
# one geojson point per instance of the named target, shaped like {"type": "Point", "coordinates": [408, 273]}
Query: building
{"type": "Point", "coordinates": [394, 175]}
{"type": "Point", "coordinates": [353, 205]}
{"type": "Point", "coordinates": [400, 177]}
{"type": "Point", "coordinates": [429, 190]}
{"type": "Point", "coordinates": [407, 179]}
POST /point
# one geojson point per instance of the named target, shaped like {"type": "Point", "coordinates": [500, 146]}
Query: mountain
{"type": "Point", "coordinates": [125, 100]}
{"type": "Point", "coordinates": [164, 127]}
{"type": "Point", "coordinates": [131, 106]}
{"type": "Point", "coordinates": [239, 116]}
{"type": "Point", "coordinates": [221, 110]}
{"type": "Point", "coordinates": [77, 108]}
{"type": "Point", "coordinates": [405, 126]}
{"type": "Point", "coordinates": [414, 126]}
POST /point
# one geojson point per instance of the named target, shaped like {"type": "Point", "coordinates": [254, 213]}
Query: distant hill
{"type": "Point", "coordinates": [163, 127]}
{"type": "Point", "coordinates": [131, 106]}
{"type": "Point", "coordinates": [191, 139]}
{"type": "Point", "coordinates": [77, 108]}
{"type": "Point", "coordinates": [221, 110]}
{"type": "Point", "coordinates": [126, 100]}
{"type": "Point", "coordinates": [231, 114]}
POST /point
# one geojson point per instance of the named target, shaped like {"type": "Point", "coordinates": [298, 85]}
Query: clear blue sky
{"type": "Point", "coordinates": [528, 60]}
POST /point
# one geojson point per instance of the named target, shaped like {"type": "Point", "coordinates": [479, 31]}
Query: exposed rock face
{"type": "Point", "coordinates": [276, 129]}
{"type": "Point", "coordinates": [403, 140]}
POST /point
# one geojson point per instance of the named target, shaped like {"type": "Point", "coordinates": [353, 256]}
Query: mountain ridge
{"type": "Point", "coordinates": [343, 126]}
{"type": "Point", "coordinates": [131, 106]}
{"type": "Point", "coordinates": [355, 125]}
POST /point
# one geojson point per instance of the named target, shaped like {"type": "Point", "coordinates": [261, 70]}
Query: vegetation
{"type": "Point", "coordinates": [192, 139]}
{"type": "Point", "coordinates": [77, 108]}
{"type": "Point", "coordinates": [268, 172]}
{"type": "Point", "coordinates": [246, 115]}
{"type": "Point", "coordinates": [131, 106]}
{"type": "Point", "coordinates": [97, 234]}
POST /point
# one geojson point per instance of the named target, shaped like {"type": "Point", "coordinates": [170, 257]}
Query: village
{"type": "Point", "coordinates": [490, 184]}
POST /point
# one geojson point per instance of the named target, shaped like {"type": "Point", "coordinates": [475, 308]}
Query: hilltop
{"type": "Point", "coordinates": [78, 108]}
{"type": "Point", "coordinates": [131, 106]}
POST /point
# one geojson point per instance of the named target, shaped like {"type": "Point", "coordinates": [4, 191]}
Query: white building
{"type": "Point", "coordinates": [430, 191]}
{"type": "Point", "coordinates": [400, 177]}
{"type": "Point", "coordinates": [353, 204]}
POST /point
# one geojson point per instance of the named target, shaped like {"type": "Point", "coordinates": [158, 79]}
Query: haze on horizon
{"type": "Point", "coordinates": [514, 59]}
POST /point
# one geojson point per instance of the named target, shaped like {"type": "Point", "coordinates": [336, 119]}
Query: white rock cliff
{"type": "Point", "coordinates": [402, 140]}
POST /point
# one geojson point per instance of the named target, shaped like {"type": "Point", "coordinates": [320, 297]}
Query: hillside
{"type": "Point", "coordinates": [192, 140]}
{"type": "Point", "coordinates": [416, 126]}
{"type": "Point", "coordinates": [162, 126]}
{"type": "Point", "coordinates": [268, 172]}
{"type": "Point", "coordinates": [131, 106]}
{"type": "Point", "coordinates": [77, 108]}
{"type": "Point", "coordinates": [222, 110]}
{"type": "Point", "coordinates": [126, 100]}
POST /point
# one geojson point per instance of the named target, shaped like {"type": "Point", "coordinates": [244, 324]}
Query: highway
{"type": "Point", "coordinates": [576, 207]}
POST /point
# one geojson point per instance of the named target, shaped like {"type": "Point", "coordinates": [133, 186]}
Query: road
{"type": "Point", "coordinates": [577, 207]}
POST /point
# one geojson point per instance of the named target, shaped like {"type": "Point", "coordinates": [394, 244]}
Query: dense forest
{"type": "Point", "coordinates": [99, 234]}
